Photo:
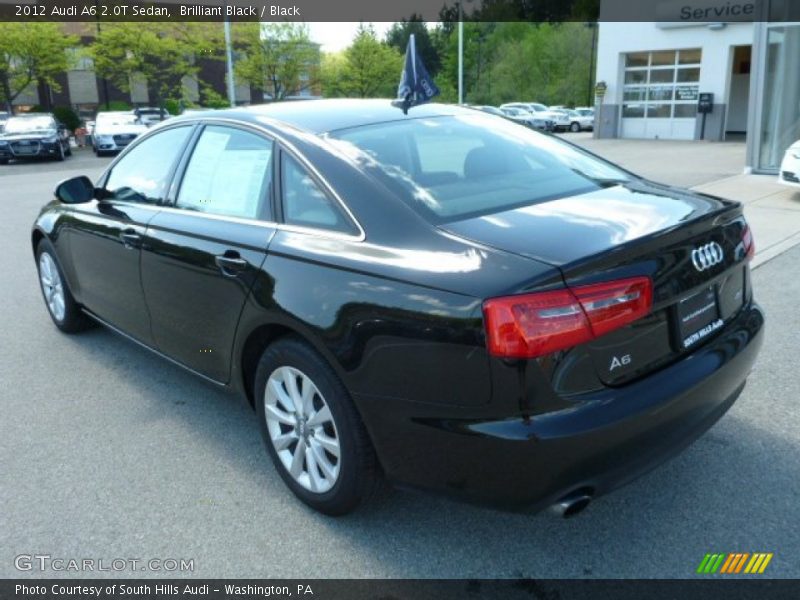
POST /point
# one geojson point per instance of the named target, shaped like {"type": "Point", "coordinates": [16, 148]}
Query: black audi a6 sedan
{"type": "Point", "coordinates": [442, 300]}
{"type": "Point", "coordinates": [34, 135]}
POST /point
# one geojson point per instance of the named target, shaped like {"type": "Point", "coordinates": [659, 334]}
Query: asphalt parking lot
{"type": "Point", "coordinates": [107, 451]}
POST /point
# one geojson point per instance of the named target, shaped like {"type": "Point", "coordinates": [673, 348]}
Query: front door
{"type": "Point", "coordinates": [201, 256]}
{"type": "Point", "coordinates": [105, 236]}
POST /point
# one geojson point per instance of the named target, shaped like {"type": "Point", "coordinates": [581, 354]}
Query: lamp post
{"type": "Point", "coordinates": [460, 54]}
{"type": "Point", "coordinates": [105, 81]}
{"type": "Point", "coordinates": [229, 58]}
{"type": "Point", "coordinates": [592, 52]}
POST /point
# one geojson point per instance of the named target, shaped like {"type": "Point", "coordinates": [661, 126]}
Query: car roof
{"type": "Point", "coordinates": [322, 116]}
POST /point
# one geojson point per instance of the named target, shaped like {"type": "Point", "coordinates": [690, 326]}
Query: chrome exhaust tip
{"type": "Point", "coordinates": [571, 504]}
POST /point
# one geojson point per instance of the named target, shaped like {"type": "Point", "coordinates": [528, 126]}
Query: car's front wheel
{"type": "Point", "coordinates": [65, 312]}
{"type": "Point", "coordinates": [312, 431]}
{"type": "Point", "coordinates": [575, 127]}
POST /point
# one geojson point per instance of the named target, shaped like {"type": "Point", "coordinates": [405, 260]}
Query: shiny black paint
{"type": "Point", "coordinates": [398, 314]}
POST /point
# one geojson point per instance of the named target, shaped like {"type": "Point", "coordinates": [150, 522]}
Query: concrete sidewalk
{"type": "Point", "coordinates": [773, 211]}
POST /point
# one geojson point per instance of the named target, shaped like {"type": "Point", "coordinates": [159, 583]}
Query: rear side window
{"type": "Point", "coordinates": [143, 173]}
{"type": "Point", "coordinates": [305, 204]}
{"type": "Point", "coordinates": [229, 173]}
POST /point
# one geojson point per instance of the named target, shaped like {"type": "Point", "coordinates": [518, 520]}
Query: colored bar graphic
{"type": "Point", "coordinates": [734, 562]}
{"type": "Point", "coordinates": [727, 564]}
{"type": "Point", "coordinates": [765, 563]}
{"type": "Point", "coordinates": [703, 563]}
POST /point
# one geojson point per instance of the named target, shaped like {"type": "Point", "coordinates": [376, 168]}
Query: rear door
{"type": "Point", "coordinates": [202, 254]}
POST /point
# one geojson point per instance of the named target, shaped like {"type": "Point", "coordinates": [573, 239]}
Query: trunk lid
{"type": "Point", "coordinates": [690, 245]}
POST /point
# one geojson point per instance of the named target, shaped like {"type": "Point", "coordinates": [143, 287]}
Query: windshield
{"type": "Point", "coordinates": [29, 124]}
{"type": "Point", "coordinates": [127, 119]}
{"type": "Point", "coordinates": [450, 168]}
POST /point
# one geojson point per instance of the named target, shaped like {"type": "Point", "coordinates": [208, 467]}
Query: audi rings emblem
{"type": "Point", "coordinates": [707, 256]}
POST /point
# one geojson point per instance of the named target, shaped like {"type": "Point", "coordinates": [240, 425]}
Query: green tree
{"type": "Point", "coordinates": [333, 78]}
{"type": "Point", "coordinates": [372, 68]}
{"type": "Point", "coordinates": [161, 53]}
{"type": "Point", "coordinates": [549, 64]}
{"type": "Point", "coordinates": [399, 33]}
{"type": "Point", "coordinates": [279, 58]}
{"type": "Point", "coordinates": [31, 53]}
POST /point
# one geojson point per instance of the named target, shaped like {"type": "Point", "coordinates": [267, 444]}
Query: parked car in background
{"type": "Point", "coordinates": [441, 298]}
{"type": "Point", "coordinates": [194, 110]}
{"type": "Point", "coordinates": [34, 135]}
{"type": "Point", "coordinates": [520, 115]}
{"type": "Point", "coordinates": [560, 118]}
{"type": "Point", "coordinates": [150, 115]}
{"type": "Point", "coordinates": [579, 122]}
{"type": "Point", "coordinates": [531, 107]}
{"type": "Point", "coordinates": [114, 130]}
{"type": "Point", "coordinates": [585, 111]}
{"type": "Point", "coordinates": [790, 167]}
{"type": "Point", "coordinates": [492, 110]}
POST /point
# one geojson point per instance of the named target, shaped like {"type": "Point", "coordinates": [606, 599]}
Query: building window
{"type": "Point", "coordinates": [662, 84]}
{"type": "Point", "coordinates": [79, 59]}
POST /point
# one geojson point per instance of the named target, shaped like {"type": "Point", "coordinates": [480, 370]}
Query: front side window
{"type": "Point", "coordinates": [450, 168]}
{"type": "Point", "coordinates": [305, 204]}
{"type": "Point", "coordinates": [229, 173]}
{"type": "Point", "coordinates": [143, 173]}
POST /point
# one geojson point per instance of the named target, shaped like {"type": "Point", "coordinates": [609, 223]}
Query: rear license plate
{"type": "Point", "coordinates": [698, 316]}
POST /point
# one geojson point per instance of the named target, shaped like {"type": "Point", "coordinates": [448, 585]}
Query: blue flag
{"type": "Point", "coordinates": [416, 85]}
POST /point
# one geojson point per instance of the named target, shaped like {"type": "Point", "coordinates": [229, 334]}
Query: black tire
{"type": "Point", "coordinates": [575, 127]}
{"type": "Point", "coordinates": [359, 476]}
{"type": "Point", "coordinates": [68, 151]}
{"type": "Point", "coordinates": [3, 161]}
{"type": "Point", "coordinates": [74, 319]}
{"type": "Point", "coordinates": [60, 157]}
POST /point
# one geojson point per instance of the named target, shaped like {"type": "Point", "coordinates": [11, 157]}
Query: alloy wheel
{"type": "Point", "coordinates": [302, 429]}
{"type": "Point", "coordinates": [52, 286]}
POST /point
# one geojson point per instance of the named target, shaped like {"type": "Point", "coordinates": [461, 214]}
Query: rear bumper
{"type": "Point", "coordinates": [602, 442]}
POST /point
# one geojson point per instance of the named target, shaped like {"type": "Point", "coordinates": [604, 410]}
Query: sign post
{"type": "Point", "coordinates": [599, 93]}
{"type": "Point", "coordinates": [705, 105]}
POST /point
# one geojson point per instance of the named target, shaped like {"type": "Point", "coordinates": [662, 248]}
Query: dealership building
{"type": "Point", "coordinates": [656, 73]}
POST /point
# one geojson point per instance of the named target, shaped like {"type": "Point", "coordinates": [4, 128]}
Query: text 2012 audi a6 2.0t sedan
{"type": "Point", "coordinates": [443, 299]}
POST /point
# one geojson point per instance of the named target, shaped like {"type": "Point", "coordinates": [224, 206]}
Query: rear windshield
{"type": "Point", "coordinates": [455, 167]}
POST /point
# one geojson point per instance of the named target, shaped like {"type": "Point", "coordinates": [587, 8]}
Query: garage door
{"type": "Point", "coordinates": [660, 94]}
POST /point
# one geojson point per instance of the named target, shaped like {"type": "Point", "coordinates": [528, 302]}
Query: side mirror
{"type": "Point", "coordinates": [76, 190]}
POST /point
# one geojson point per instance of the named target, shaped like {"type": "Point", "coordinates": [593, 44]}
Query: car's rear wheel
{"type": "Point", "coordinates": [65, 312]}
{"type": "Point", "coordinates": [3, 161]}
{"type": "Point", "coordinates": [575, 127]}
{"type": "Point", "coordinates": [312, 431]}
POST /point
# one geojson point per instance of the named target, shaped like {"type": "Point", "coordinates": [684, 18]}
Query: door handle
{"type": "Point", "coordinates": [230, 263]}
{"type": "Point", "coordinates": [131, 239]}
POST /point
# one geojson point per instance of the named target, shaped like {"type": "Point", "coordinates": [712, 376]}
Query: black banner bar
{"type": "Point", "coordinates": [414, 589]}
{"type": "Point", "coordinates": [677, 11]}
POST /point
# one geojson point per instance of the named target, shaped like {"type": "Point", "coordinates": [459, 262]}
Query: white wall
{"type": "Point", "coordinates": [616, 39]}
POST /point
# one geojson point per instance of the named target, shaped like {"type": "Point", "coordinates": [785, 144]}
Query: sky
{"type": "Point", "coordinates": [337, 36]}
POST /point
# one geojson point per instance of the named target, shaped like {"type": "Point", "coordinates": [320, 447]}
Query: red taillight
{"type": "Point", "coordinates": [532, 325]}
{"type": "Point", "coordinates": [747, 242]}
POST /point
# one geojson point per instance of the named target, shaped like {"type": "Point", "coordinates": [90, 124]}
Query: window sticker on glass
{"type": "Point", "coordinates": [228, 174]}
